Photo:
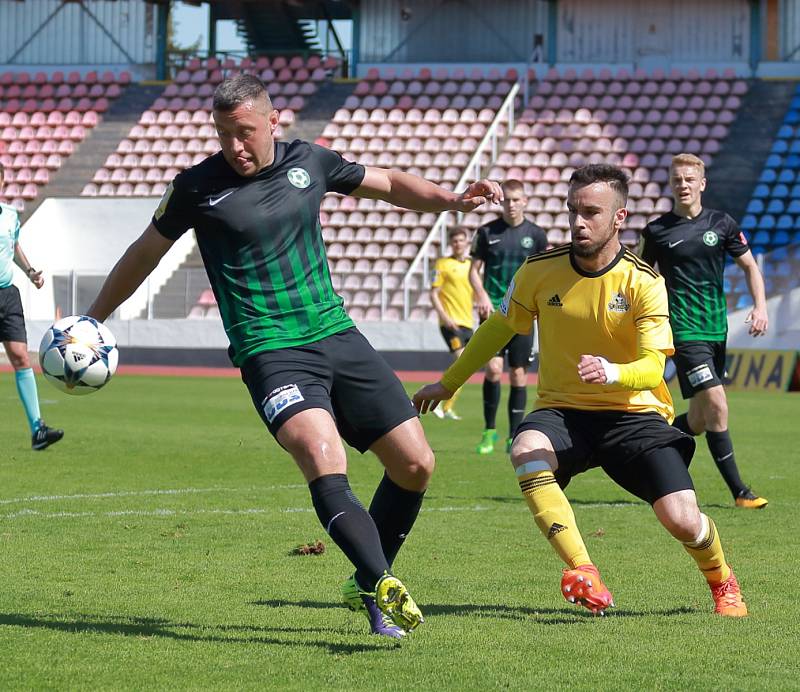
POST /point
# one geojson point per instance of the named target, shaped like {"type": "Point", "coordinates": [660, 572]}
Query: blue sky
{"type": "Point", "coordinates": [192, 22]}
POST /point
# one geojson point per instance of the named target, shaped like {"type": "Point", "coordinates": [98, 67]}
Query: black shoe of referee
{"type": "Point", "coordinates": [44, 437]}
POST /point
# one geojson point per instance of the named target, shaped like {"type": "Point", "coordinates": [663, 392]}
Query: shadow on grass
{"type": "Point", "coordinates": [546, 616]}
{"type": "Point", "coordinates": [132, 626]}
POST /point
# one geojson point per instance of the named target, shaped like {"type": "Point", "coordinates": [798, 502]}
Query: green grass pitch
{"type": "Point", "coordinates": [150, 549]}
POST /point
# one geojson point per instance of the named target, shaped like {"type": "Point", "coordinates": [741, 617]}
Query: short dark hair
{"type": "Point", "coordinates": [234, 91]}
{"type": "Point", "coordinates": [602, 173]}
{"type": "Point", "coordinates": [457, 230]}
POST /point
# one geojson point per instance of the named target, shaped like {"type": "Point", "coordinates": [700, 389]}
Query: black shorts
{"type": "Point", "coordinates": [519, 350]}
{"type": "Point", "coordinates": [342, 374]}
{"type": "Point", "coordinates": [639, 451]}
{"type": "Point", "coordinates": [700, 365]}
{"type": "Point", "coordinates": [12, 321]}
{"type": "Point", "coordinates": [455, 338]}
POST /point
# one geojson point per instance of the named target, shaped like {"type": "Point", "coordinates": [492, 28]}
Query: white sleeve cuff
{"type": "Point", "coordinates": [611, 370]}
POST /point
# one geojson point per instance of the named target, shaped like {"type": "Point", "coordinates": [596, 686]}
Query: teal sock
{"type": "Point", "coordinates": [26, 386]}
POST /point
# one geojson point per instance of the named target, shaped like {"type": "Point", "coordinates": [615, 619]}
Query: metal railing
{"type": "Point", "coordinates": [74, 291]}
{"type": "Point", "coordinates": [472, 172]}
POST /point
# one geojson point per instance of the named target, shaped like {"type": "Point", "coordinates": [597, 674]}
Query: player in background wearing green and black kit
{"type": "Point", "coordinates": [498, 249]}
{"type": "Point", "coordinates": [689, 245]}
{"type": "Point", "coordinates": [313, 377]}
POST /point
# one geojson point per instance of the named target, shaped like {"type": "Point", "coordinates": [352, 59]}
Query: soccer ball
{"type": "Point", "coordinates": [78, 354]}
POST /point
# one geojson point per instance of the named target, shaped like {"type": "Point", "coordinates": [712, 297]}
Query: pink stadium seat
{"type": "Point", "coordinates": [29, 191]}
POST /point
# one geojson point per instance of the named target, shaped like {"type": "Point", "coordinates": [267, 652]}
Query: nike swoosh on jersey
{"type": "Point", "coordinates": [496, 240]}
{"type": "Point", "coordinates": [215, 202]}
{"type": "Point", "coordinates": [677, 242]}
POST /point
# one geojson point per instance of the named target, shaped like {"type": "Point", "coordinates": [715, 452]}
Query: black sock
{"type": "Point", "coordinates": [350, 526]}
{"type": "Point", "coordinates": [721, 448]}
{"type": "Point", "coordinates": [682, 423]}
{"type": "Point", "coordinates": [394, 510]}
{"type": "Point", "coordinates": [517, 399]}
{"type": "Point", "coordinates": [491, 401]}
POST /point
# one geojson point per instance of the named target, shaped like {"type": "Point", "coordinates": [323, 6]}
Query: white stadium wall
{"type": "Point", "coordinates": [58, 33]}
{"type": "Point", "coordinates": [87, 236]}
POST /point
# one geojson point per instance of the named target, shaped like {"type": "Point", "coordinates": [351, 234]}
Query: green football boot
{"type": "Point", "coordinates": [486, 445]}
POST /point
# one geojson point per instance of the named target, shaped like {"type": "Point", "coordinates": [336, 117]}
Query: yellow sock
{"type": "Point", "coordinates": [451, 401]}
{"type": "Point", "coordinates": [552, 512]}
{"type": "Point", "coordinates": [706, 550]}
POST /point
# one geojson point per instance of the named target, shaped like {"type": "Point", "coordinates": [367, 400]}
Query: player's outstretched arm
{"type": "Point", "coordinates": [491, 336]}
{"type": "Point", "coordinates": [141, 257]}
{"type": "Point", "coordinates": [412, 192]}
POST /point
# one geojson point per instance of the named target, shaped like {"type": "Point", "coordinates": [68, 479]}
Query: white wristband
{"type": "Point", "coordinates": [611, 370]}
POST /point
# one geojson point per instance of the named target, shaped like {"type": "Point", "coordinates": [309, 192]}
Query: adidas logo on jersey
{"type": "Point", "coordinates": [555, 302]}
{"type": "Point", "coordinates": [554, 529]}
{"type": "Point", "coordinates": [619, 304]}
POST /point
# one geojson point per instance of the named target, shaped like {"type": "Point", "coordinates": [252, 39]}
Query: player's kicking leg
{"type": "Point", "coordinates": [298, 392]}
{"type": "Point", "coordinates": [534, 462]}
{"type": "Point", "coordinates": [313, 441]}
{"type": "Point", "coordinates": [408, 461]}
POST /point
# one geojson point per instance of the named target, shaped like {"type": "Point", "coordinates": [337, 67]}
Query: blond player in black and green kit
{"type": "Point", "coordinates": [313, 377]}
{"type": "Point", "coordinates": [689, 246]}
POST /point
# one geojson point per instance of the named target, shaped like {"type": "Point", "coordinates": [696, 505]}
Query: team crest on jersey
{"type": "Point", "coordinates": [507, 299]}
{"type": "Point", "coordinates": [527, 242]}
{"type": "Point", "coordinates": [619, 304]}
{"type": "Point", "coordinates": [710, 238]}
{"type": "Point", "coordinates": [299, 177]}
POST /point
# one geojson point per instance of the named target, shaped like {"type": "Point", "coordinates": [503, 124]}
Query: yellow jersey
{"type": "Point", "coordinates": [613, 313]}
{"type": "Point", "coordinates": [451, 277]}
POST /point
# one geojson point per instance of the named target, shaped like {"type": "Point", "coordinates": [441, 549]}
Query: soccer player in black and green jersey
{"type": "Point", "coordinates": [689, 245]}
{"type": "Point", "coordinates": [312, 376]}
{"type": "Point", "coordinates": [498, 249]}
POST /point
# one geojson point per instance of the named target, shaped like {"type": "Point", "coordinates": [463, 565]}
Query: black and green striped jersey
{"type": "Point", "coordinates": [690, 254]}
{"type": "Point", "coordinates": [503, 249]}
{"type": "Point", "coordinates": [261, 243]}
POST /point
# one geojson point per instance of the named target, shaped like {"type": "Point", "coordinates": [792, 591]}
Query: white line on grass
{"type": "Point", "coordinates": [136, 493]}
{"type": "Point", "coordinates": [35, 514]}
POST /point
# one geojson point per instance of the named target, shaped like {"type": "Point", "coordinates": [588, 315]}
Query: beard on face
{"type": "Point", "coordinates": [593, 249]}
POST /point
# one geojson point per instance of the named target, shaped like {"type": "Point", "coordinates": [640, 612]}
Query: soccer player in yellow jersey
{"type": "Point", "coordinates": [451, 295]}
{"type": "Point", "coordinates": [604, 335]}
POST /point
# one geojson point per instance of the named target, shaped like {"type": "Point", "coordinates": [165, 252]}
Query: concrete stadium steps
{"type": "Point", "coordinates": [741, 158]}
{"type": "Point", "coordinates": [102, 141]}
{"type": "Point", "coordinates": [182, 290]}
{"type": "Point", "coordinates": [272, 27]}
{"type": "Point", "coordinates": [319, 110]}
